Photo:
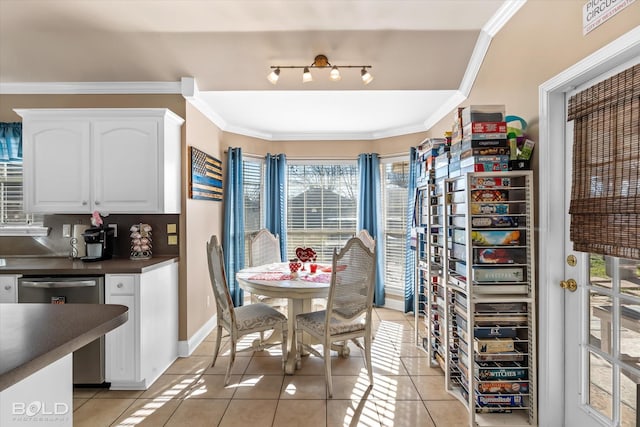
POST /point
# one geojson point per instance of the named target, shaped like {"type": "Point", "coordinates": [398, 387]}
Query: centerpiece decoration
{"type": "Point", "coordinates": [306, 255]}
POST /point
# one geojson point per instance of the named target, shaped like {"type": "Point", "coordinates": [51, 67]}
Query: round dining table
{"type": "Point", "coordinates": [276, 281]}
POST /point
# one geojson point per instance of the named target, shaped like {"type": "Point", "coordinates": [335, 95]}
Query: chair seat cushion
{"type": "Point", "coordinates": [315, 322]}
{"type": "Point", "coordinates": [258, 316]}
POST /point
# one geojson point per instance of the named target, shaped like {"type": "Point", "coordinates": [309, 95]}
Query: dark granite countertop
{"type": "Point", "coordinates": [33, 336]}
{"type": "Point", "coordinates": [44, 266]}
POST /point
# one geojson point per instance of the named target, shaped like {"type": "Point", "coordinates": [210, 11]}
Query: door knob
{"type": "Point", "coordinates": [569, 284]}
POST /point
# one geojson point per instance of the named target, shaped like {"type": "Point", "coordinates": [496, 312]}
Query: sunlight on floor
{"type": "Point", "coordinates": [149, 408]}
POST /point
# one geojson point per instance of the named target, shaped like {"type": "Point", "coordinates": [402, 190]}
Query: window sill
{"type": "Point", "coordinates": [23, 230]}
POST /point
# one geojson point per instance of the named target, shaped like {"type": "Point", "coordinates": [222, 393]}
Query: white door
{"type": "Point", "coordinates": [573, 375]}
{"type": "Point", "coordinates": [602, 323]}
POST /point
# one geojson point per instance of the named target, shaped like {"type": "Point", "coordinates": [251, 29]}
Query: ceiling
{"type": "Point", "coordinates": [424, 56]}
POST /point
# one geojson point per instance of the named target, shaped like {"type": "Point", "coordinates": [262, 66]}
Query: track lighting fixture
{"type": "Point", "coordinates": [273, 76]}
{"type": "Point", "coordinates": [320, 61]}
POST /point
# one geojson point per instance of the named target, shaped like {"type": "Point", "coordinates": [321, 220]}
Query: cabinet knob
{"type": "Point", "coordinates": [119, 285]}
{"type": "Point", "coordinates": [84, 203]}
{"type": "Point", "coordinates": [97, 202]}
{"type": "Point", "coordinates": [7, 287]}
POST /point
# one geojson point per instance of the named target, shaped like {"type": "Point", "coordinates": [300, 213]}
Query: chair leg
{"type": "Point", "coordinates": [232, 359]}
{"type": "Point", "coordinates": [217, 348]}
{"type": "Point", "coordinates": [298, 347]}
{"type": "Point", "coordinates": [327, 367]}
{"type": "Point", "coordinates": [367, 356]}
{"type": "Point", "coordinates": [284, 344]}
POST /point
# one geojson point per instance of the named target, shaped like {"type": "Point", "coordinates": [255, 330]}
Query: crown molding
{"type": "Point", "coordinates": [446, 108]}
{"type": "Point", "coordinates": [78, 88]}
{"type": "Point", "coordinates": [502, 16]}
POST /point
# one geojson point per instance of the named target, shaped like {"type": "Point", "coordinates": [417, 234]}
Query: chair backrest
{"type": "Point", "coordinates": [264, 248]}
{"type": "Point", "coordinates": [224, 304]}
{"type": "Point", "coordinates": [352, 281]}
{"type": "Point", "coordinates": [366, 239]}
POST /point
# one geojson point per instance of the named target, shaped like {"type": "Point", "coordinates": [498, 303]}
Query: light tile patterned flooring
{"type": "Point", "coordinates": [407, 392]}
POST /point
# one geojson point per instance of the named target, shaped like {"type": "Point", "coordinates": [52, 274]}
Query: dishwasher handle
{"type": "Point", "coordinates": [58, 284]}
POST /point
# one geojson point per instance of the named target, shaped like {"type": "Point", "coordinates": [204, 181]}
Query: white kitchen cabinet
{"type": "Point", "coordinates": [139, 351]}
{"type": "Point", "coordinates": [109, 160]}
{"type": "Point", "coordinates": [9, 288]}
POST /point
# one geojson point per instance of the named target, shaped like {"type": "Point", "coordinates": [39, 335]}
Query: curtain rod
{"type": "Point", "coordinates": [384, 156]}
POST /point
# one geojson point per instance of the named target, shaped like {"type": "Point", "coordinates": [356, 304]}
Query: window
{"type": "Point", "coordinates": [252, 183]}
{"type": "Point", "coordinates": [321, 206]}
{"type": "Point", "coordinates": [12, 214]}
{"type": "Point", "coordinates": [395, 178]}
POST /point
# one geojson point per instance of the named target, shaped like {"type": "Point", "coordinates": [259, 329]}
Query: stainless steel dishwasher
{"type": "Point", "coordinates": [88, 361]}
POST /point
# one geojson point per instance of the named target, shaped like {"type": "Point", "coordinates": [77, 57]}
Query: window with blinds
{"type": "Point", "coordinates": [252, 186]}
{"type": "Point", "coordinates": [321, 207]}
{"type": "Point", "coordinates": [395, 176]}
{"type": "Point", "coordinates": [11, 204]}
{"type": "Point", "coordinates": [605, 193]}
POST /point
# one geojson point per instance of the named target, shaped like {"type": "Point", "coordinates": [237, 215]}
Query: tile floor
{"type": "Point", "coordinates": [406, 392]}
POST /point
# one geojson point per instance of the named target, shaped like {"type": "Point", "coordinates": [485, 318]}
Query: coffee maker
{"type": "Point", "coordinates": [99, 242]}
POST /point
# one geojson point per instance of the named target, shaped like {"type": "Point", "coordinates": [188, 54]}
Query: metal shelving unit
{"type": "Point", "coordinates": [489, 281]}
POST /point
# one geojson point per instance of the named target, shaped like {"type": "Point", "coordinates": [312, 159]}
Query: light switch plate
{"type": "Point", "coordinates": [172, 240]}
{"type": "Point", "coordinates": [171, 228]}
{"type": "Point", "coordinates": [66, 230]}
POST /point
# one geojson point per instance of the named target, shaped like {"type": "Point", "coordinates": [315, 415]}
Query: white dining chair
{"type": "Point", "coordinates": [349, 307]}
{"type": "Point", "coordinates": [264, 248]}
{"type": "Point", "coordinates": [366, 238]}
{"type": "Point", "coordinates": [240, 321]}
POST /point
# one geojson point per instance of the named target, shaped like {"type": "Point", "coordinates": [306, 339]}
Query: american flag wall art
{"type": "Point", "coordinates": [206, 176]}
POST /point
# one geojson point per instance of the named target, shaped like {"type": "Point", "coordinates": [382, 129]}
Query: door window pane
{"type": "Point", "coordinates": [600, 270]}
{"type": "Point", "coordinates": [629, 271]}
{"type": "Point", "coordinates": [630, 334]}
{"type": "Point", "coordinates": [600, 385]}
{"type": "Point", "coordinates": [600, 324]}
{"type": "Point", "coordinates": [628, 398]}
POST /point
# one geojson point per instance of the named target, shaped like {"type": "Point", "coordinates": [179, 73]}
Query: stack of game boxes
{"type": "Point", "coordinates": [479, 140]}
{"type": "Point", "coordinates": [428, 152]}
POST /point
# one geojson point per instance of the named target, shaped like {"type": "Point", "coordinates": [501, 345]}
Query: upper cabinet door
{"type": "Point", "coordinates": [57, 166]}
{"type": "Point", "coordinates": [119, 160]}
{"type": "Point", "coordinates": [125, 161]}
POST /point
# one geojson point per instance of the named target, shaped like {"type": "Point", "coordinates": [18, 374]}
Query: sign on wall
{"type": "Point", "coordinates": [206, 176]}
{"type": "Point", "coordinates": [596, 12]}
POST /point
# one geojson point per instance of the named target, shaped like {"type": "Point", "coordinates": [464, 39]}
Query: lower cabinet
{"type": "Point", "coordinates": [139, 351]}
{"type": "Point", "coordinates": [9, 288]}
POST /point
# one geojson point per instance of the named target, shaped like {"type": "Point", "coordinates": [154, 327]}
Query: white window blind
{"type": "Point", "coordinates": [394, 187]}
{"type": "Point", "coordinates": [321, 207]}
{"type": "Point", "coordinates": [252, 185]}
{"type": "Point", "coordinates": [11, 204]}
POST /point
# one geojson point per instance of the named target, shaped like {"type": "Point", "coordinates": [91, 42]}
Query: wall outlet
{"type": "Point", "coordinates": [172, 240]}
{"type": "Point", "coordinates": [115, 229]}
{"type": "Point", "coordinates": [171, 229]}
{"type": "Point", "coordinates": [66, 230]}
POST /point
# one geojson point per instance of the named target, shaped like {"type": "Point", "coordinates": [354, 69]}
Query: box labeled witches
{"type": "Point", "coordinates": [497, 371]}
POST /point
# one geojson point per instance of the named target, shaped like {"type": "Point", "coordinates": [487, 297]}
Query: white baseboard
{"type": "Point", "coordinates": [394, 304]}
{"type": "Point", "coordinates": [185, 348]}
